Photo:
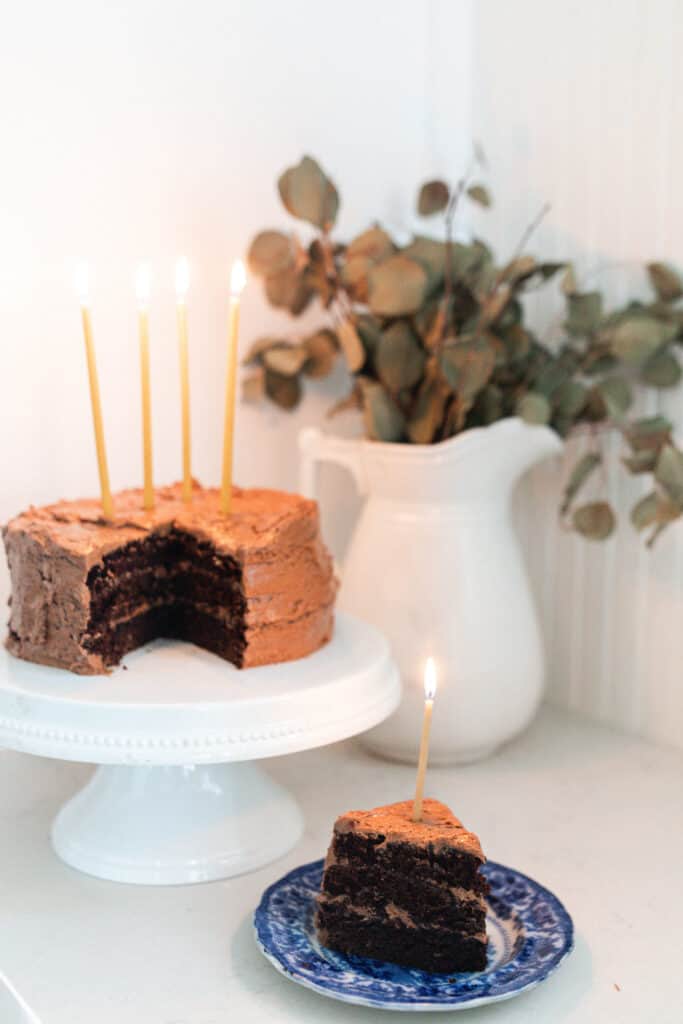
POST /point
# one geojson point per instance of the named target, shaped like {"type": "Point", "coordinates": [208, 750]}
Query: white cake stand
{"type": "Point", "coordinates": [176, 731]}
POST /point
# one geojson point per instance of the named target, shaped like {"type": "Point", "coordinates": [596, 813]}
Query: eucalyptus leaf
{"type": "Point", "coordinates": [467, 366]}
{"type": "Point", "coordinates": [397, 286]}
{"type": "Point", "coordinates": [645, 512]}
{"type": "Point", "coordinates": [570, 398]}
{"type": "Point", "coordinates": [259, 348]}
{"type": "Point", "coordinates": [584, 312]}
{"type": "Point", "coordinates": [287, 360]}
{"type": "Point", "coordinates": [641, 462]}
{"type": "Point", "coordinates": [568, 283]}
{"type": "Point", "coordinates": [384, 421]}
{"type": "Point", "coordinates": [370, 332]}
{"type": "Point", "coordinates": [428, 413]}
{"type": "Point", "coordinates": [480, 194]}
{"type": "Point", "coordinates": [433, 255]}
{"type": "Point", "coordinates": [666, 281]}
{"type": "Point", "coordinates": [433, 198]}
{"type": "Point", "coordinates": [538, 274]}
{"type": "Point", "coordinates": [271, 252]}
{"type": "Point", "coordinates": [517, 342]}
{"type": "Point", "coordinates": [490, 402]}
{"type": "Point", "coordinates": [534, 408]}
{"type": "Point", "coordinates": [669, 473]}
{"type": "Point", "coordinates": [321, 350]}
{"type": "Point", "coordinates": [520, 267]}
{"type": "Point", "coordinates": [481, 251]}
{"type": "Point", "coordinates": [320, 273]}
{"type": "Point", "coordinates": [399, 359]}
{"type": "Point", "coordinates": [284, 391]}
{"type": "Point", "coordinates": [637, 338]}
{"type": "Point", "coordinates": [649, 433]}
{"type": "Point", "coordinates": [288, 290]}
{"type": "Point", "coordinates": [485, 276]}
{"type": "Point", "coordinates": [596, 361]}
{"type": "Point", "coordinates": [616, 393]}
{"type": "Point", "coordinates": [594, 521]}
{"type": "Point", "coordinates": [580, 473]}
{"type": "Point", "coordinates": [308, 193]}
{"type": "Point", "coordinates": [548, 270]}
{"type": "Point", "coordinates": [367, 249]}
{"type": "Point", "coordinates": [550, 379]}
{"type": "Point", "coordinates": [374, 244]}
{"type": "Point", "coordinates": [662, 370]}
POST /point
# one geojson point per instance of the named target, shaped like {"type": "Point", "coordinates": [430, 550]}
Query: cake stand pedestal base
{"type": "Point", "coordinates": [176, 824]}
{"type": "Point", "coordinates": [178, 797]}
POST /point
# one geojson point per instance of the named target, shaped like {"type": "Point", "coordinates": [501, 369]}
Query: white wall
{"type": "Point", "coordinates": [580, 104]}
{"type": "Point", "coordinates": [146, 129]}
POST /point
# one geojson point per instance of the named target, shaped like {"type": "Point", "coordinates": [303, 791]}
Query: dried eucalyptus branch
{"type": "Point", "coordinates": [434, 336]}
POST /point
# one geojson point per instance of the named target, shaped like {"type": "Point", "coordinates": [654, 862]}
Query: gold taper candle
{"type": "Point", "coordinates": [237, 282]}
{"type": "Point", "coordinates": [105, 489]}
{"type": "Point", "coordinates": [182, 282]}
{"type": "Point", "coordinates": [142, 288]}
{"type": "Point", "coordinates": [430, 690]}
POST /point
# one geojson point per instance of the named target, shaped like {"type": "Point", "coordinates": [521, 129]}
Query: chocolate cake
{"type": "Point", "coordinates": [405, 891]}
{"type": "Point", "coordinates": [255, 587]}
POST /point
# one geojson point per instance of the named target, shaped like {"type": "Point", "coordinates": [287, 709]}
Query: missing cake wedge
{"type": "Point", "coordinates": [411, 893]}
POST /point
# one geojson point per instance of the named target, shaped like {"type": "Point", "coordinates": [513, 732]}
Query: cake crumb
{"type": "Point", "coordinates": [617, 988]}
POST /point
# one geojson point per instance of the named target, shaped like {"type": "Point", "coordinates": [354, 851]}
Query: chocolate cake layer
{"type": "Point", "coordinates": [404, 891]}
{"type": "Point", "coordinates": [255, 587]}
{"type": "Point", "coordinates": [424, 863]}
{"type": "Point", "coordinates": [439, 950]}
{"type": "Point", "coordinates": [433, 904]}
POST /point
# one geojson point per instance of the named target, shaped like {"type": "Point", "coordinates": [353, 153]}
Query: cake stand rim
{"type": "Point", "coordinates": [210, 732]}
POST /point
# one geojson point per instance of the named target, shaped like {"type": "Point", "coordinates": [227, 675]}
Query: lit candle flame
{"type": "Point", "coordinates": [238, 278]}
{"type": "Point", "coordinates": [182, 278]}
{"type": "Point", "coordinates": [82, 279]}
{"type": "Point", "coordinates": [430, 679]}
{"type": "Point", "coordinates": [430, 690]}
{"type": "Point", "coordinates": [142, 282]}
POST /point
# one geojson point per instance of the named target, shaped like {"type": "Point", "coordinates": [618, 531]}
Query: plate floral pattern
{"type": "Point", "coordinates": [530, 934]}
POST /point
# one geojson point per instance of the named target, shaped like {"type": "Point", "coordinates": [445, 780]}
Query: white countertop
{"type": "Point", "coordinates": [595, 816]}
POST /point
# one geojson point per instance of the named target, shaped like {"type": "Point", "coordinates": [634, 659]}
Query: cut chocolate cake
{"type": "Point", "coordinates": [255, 587]}
{"type": "Point", "coordinates": [405, 891]}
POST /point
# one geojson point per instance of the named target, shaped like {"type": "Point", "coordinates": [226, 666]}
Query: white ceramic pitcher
{"type": "Point", "coordinates": [435, 564]}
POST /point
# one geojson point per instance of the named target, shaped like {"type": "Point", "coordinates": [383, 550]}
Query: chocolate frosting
{"type": "Point", "coordinates": [274, 537]}
{"type": "Point", "coordinates": [439, 828]}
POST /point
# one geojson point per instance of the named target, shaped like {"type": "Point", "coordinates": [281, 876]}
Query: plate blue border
{"type": "Point", "coordinates": [530, 934]}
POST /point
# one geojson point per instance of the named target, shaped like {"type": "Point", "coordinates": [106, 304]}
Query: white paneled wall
{"type": "Point", "coordinates": [144, 129]}
{"type": "Point", "coordinates": [578, 104]}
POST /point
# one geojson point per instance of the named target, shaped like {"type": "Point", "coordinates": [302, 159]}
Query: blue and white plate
{"type": "Point", "coordinates": [530, 934]}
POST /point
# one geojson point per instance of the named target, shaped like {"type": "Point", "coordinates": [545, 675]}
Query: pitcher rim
{"type": "Point", "coordinates": [473, 437]}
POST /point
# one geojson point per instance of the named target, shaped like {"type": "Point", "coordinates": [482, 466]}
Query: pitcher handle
{"type": "Point", "coordinates": [316, 447]}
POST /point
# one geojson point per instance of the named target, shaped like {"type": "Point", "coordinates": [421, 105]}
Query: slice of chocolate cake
{"type": "Point", "coordinates": [255, 587]}
{"type": "Point", "coordinates": [410, 892]}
